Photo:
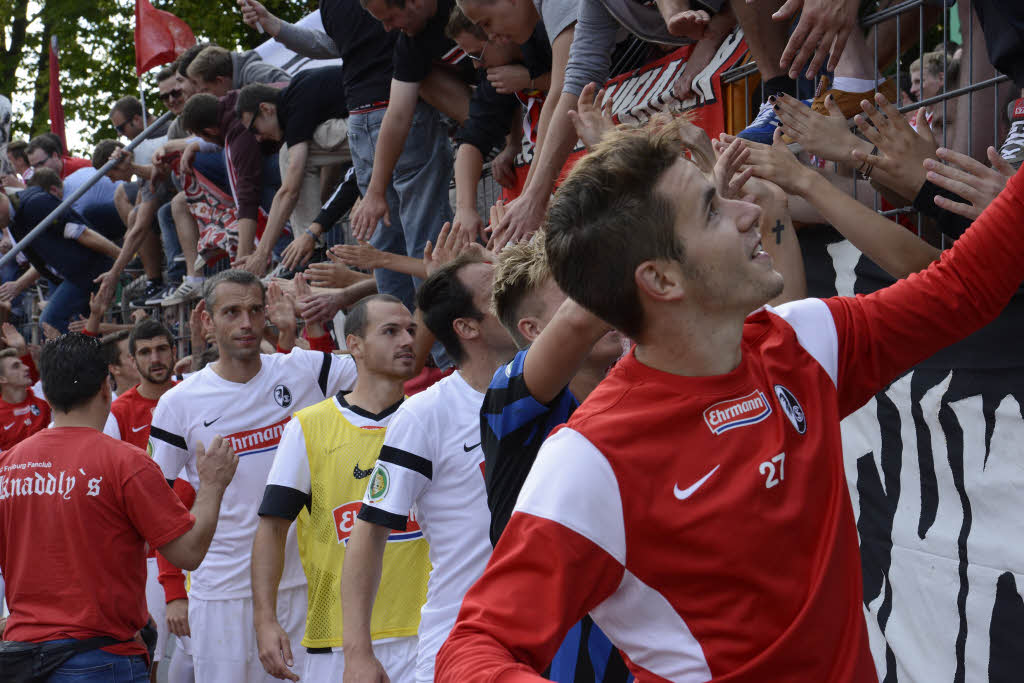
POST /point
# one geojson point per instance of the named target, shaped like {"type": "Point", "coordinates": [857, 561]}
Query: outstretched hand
{"type": "Point", "coordinates": [899, 166]}
{"type": "Point", "coordinates": [823, 29]}
{"type": "Point", "coordinates": [973, 181]}
{"type": "Point", "coordinates": [729, 180]}
{"type": "Point", "coordinates": [13, 339]}
{"type": "Point", "coordinates": [776, 163]}
{"type": "Point", "coordinates": [593, 117]}
{"type": "Point", "coordinates": [449, 243]}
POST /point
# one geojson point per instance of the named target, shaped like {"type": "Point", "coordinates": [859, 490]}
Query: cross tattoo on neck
{"type": "Point", "coordinates": [779, 227]}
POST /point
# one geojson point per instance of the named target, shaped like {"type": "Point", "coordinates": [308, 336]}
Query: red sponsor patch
{"type": "Point", "coordinates": [257, 440]}
{"type": "Point", "coordinates": [1018, 108]}
{"type": "Point", "coordinates": [345, 518]}
{"type": "Point", "coordinates": [737, 412]}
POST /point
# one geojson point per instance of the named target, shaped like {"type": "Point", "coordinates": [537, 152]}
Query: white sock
{"type": "Point", "coordinates": [194, 278]}
{"type": "Point", "coordinates": [850, 84]}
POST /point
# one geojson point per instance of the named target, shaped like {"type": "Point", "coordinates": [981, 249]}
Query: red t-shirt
{"type": "Point", "coordinates": [77, 509]}
{"type": "Point", "coordinates": [72, 164]}
{"type": "Point", "coordinates": [18, 421]}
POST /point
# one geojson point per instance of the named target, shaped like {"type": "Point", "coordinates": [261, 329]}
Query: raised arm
{"type": "Point", "coordinates": [301, 40]}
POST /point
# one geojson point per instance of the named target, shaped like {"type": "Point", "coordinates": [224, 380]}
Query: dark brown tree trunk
{"type": "Point", "coordinates": [11, 54]}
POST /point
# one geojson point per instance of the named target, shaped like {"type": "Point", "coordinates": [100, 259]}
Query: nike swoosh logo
{"type": "Point", "coordinates": [469, 448]}
{"type": "Point", "coordinates": [686, 493]}
{"type": "Point", "coordinates": [361, 474]}
{"type": "Point", "coordinates": [139, 429]}
{"type": "Point", "coordinates": [6, 427]}
{"type": "Point", "coordinates": [207, 424]}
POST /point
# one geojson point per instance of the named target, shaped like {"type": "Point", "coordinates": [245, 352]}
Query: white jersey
{"type": "Point", "coordinates": [431, 462]}
{"type": "Point", "coordinates": [252, 417]}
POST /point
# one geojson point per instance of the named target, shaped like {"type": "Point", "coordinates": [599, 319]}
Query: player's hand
{"type": "Point", "coordinates": [216, 464]}
{"type": "Point", "coordinates": [13, 339]}
{"type": "Point", "coordinates": [49, 331]}
{"type": "Point", "coordinates": [197, 328]}
{"type": "Point", "coordinates": [522, 218]}
{"type": "Point", "coordinates": [449, 243]}
{"type": "Point", "coordinates": [177, 617]}
{"type": "Point", "coordinates": [509, 79]}
{"type": "Point", "coordinates": [593, 117]}
{"type": "Point", "coordinates": [280, 308]}
{"type": "Point", "coordinates": [364, 217]}
{"type": "Point", "coordinates": [275, 650]}
{"type": "Point", "coordinates": [364, 668]}
{"type": "Point", "coordinates": [298, 253]}
{"type": "Point", "coordinates": [256, 15]}
{"type": "Point", "coordinates": [973, 181]}
{"type": "Point", "coordinates": [822, 32]}
{"type": "Point", "coordinates": [776, 163]}
{"type": "Point", "coordinates": [728, 177]}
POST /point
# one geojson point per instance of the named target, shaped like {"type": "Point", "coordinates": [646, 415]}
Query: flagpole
{"type": "Point", "coordinates": [142, 98]}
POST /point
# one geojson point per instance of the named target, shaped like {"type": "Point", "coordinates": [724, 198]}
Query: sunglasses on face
{"type": "Point", "coordinates": [165, 97]}
{"type": "Point", "coordinates": [119, 129]}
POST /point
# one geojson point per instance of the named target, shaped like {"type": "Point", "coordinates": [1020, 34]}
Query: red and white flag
{"type": "Point", "coordinates": [159, 37]}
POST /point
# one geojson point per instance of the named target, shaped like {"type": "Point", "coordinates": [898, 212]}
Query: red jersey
{"type": "Point", "coordinates": [77, 509]}
{"type": "Point", "coordinates": [18, 421]}
{"type": "Point", "coordinates": [705, 522]}
{"type": "Point", "coordinates": [72, 164]}
{"type": "Point", "coordinates": [134, 413]}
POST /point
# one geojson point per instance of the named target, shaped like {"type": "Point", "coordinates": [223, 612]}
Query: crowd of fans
{"type": "Point", "coordinates": [646, 273]}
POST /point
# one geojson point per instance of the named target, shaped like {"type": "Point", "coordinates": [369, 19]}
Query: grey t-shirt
{"type": "Point", "coordinates": [557, 15]}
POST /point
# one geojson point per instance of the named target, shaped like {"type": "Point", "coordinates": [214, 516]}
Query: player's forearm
{"type": "Point", "coordinates": [469, 164]}
{"type": "Point", "coordinates": [897, 251]}
{"type": "Point", "coordinates": [779, 239]}
{"type": "Point", "coordinates": [360, 580]}
{"type": "Point", "coordinates": [557, 354]}
{"type": "Point", "coordinates": [267, 566]}
{"type": "Point", "coordinates": [189, 549]}
{"type": "Point", "coordinates": [559, 137]}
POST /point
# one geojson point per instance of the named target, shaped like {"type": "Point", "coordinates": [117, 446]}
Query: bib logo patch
{"type": "Point", "coordinates": [380, 481]}
{"type": "Point", "coordinates": [737, 412]}
{"type": "Point", "coordinates": [282, 395]}
{"type": "Point", "coordinates": [791, 407]}
{"type": "Point", "coordinates": [345, 519]}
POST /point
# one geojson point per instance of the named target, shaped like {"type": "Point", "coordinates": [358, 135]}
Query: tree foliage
{"type": "Point", "coordinates": [97, 55]}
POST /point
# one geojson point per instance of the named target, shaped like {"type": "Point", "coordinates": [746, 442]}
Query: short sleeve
{"type": "Point", "coordinates": [112, 428]}
{"type": "Point", "coordinates": [73, 231]}
{"type": "Point", "coordinates": [289, 484]}
{"type": "Point", "coordinates": [152, 506]}
{"type": "Point", "coordinates": [404, 470]}
{"type": "Point", "coordinates": [558, 15]}
{"type": "Point", "coordinates": [167, 440]}
{"type": "Point", "coordinates": [411, 63]}
{"type": "Point", "coordinates": [341, 375]}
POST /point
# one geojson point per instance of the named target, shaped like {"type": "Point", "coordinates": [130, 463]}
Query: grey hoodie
{"type": "Point", "coordinates": [248, 67]}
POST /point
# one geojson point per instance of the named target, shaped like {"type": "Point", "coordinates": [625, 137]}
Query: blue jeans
{"type": "Point", "coordinates": [97, 666]}
{"type": "Point", "coordinates": [417, 196]}
{"type": "Point", "coordinates": [169, 239]}
{"type": "Point", "coordinates": [66, 301]}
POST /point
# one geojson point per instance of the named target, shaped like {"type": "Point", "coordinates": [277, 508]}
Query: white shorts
{"type": "Point", "coordinates": [224, 644]}
{"type": "Point", "coordinates": [396, 655]}
{"type": "Point", "coordinates": [156, 603]}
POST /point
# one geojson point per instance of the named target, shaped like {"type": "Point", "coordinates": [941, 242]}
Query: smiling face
{"type": "Point", "coordinates": [504, 21]}
{"type": "Point", "coordinates": [172, 94]}
{"type": "Point", "coordinates": [725, 269]}
{"type": "Point", "coordinates": [129, 127]}
{"type": "Point", "coordinates": [238, 318]}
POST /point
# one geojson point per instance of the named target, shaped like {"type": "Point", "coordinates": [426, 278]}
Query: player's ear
{"type": "Point", "coordinates": [661, 280]}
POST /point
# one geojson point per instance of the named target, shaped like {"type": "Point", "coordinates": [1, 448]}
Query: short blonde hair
{"type": "Point", "coordinates": [522, 270]}
{"type": "Point", "coordinates": [212, 62]}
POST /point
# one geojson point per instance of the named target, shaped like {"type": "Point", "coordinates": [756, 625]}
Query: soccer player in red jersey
{"type": "Point", "coordinates": [150, 346]}
{"type": "Point", "coordinates": [696, 504]}
{"type": "Point", "coordinates": [22, 413]}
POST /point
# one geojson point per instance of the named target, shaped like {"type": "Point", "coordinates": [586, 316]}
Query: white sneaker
{"type": "Point", "coordinates": [186, 291]}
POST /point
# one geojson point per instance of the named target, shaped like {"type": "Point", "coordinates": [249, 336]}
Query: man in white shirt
{"type": "Point", "coordinates": [431, 459]}
{"type": "Point", "coordinates": [248, 399]}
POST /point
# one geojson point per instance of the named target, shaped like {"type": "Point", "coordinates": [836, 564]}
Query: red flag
{"type": "Point", "coordinates": [56, 105]}
{"type": "Point", "coordinates": [159, 37]}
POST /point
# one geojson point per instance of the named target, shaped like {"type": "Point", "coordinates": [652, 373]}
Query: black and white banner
{"type": "Point", "coordinates": [935, 467]}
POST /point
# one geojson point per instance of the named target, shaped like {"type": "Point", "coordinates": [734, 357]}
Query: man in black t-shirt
{"type": "Point", "coordinates": [310, 119]}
